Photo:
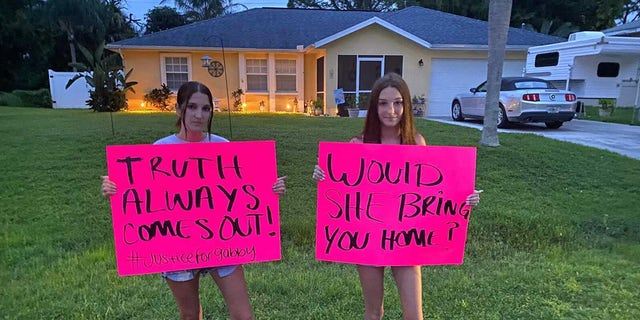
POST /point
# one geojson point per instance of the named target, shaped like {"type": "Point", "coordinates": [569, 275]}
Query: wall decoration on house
{"type": "Point", "coordinates": [216, 68]}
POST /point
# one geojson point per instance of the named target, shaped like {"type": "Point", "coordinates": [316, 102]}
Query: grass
{"type": "Point", "coordinates": [550, 240]}
{"type": "Point", "coordinates": [619, 115]}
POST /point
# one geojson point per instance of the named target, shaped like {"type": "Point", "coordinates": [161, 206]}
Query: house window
{"type": "Point", "coordinates": [393, 64]}
{"type": "Point", "coordinates": [285, 75]}
{"type": "Point", "coordinates": [547, 59]}
{"type": "Point", "coordinates": [369, 70]}
{"type": "Point", "coordinates": [175, 70]}
{"type": "Point", "coordinates": [347, 72]}
{"type": "Point", "coordinates": [608, 69]}
{"type": "Point", "coordinates": [257, 75]}
{"type": "Point", "coordinates": [320, 75]}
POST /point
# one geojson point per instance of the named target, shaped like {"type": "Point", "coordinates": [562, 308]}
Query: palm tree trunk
{"type": "Point", "coordinates": [72, 48]}
{"type": "Point", "coordinates": [499, 16]}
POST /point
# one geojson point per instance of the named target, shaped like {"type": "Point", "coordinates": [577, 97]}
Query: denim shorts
{"type": "Point", "coordinates": [186, 275]}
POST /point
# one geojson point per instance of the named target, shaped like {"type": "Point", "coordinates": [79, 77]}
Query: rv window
{"type": "Point", "coordinates": [547, 59]}
{"type": "Point", "coordinates": [608, 69]}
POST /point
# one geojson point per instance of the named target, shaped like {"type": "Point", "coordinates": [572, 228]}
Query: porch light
{"type": "Point", "coordinates": [420, 62]}
{"type": "Point", "coordinates": [206, 61]}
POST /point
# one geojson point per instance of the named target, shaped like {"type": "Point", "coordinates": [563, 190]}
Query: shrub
{"type": "Point", "coordinates": [237, 99]}
{"type": "Point", "coordinates": [10, 100]}
{"type": "Point", "coordinates": [159, 98]}
{"type": "Point", "coordinates": [105, 74]}
{"type": "Point", "coordinates": [34, 98]}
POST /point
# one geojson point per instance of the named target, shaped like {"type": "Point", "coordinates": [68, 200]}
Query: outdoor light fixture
{"type": "Point", "coordinates": [420, 63]}
{"type": "Point", "coordinates": [206, 60]}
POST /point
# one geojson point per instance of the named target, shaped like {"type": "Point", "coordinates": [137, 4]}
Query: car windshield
{"type": "Point", "coordinates": [533, 85]}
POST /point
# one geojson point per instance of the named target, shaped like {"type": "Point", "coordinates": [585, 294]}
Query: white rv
{"type": "Point", "coordinates": [592, 65]}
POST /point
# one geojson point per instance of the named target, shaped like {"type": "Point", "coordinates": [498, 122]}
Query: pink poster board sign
{"type": "Point", "coordinates": [193, 205]}
{"type": "Point", "coordinates": [393, 205]}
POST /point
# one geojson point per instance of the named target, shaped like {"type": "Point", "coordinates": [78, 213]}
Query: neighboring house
{"type": "Point", "coordinates": [631, 29]}
{"type": "Point", "coordinates": [591, 64]}
{"type": "Point", "coordinates": [281, 56]}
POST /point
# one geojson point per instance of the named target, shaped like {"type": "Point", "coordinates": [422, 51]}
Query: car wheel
{"type": "Point", "coordinates": [553, 124]}
{"type": "Point", "coordinates": [456, 111]}
{"type": "Point", "coordinates": [503, 122]}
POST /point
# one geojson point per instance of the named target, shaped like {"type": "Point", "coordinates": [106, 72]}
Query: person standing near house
{"type": "Point", "coordinates": [390, 121]}
{"type": "Point", "coordinates": [195, 111]}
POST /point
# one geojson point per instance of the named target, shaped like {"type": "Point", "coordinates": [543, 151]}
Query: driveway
{"type": "Point", "coordinates": [618, 138]}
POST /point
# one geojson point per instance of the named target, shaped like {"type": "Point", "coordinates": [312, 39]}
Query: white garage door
{"type": "Point", "coordinates": [452, 76]}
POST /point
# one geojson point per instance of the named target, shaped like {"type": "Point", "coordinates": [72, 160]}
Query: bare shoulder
{"type": "Point", "coordinates": [356, 139]}
{"type": "Point", "coordinates": [420, 140]}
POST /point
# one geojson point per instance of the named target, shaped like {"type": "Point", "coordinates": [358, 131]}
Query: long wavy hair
{"type": "Point", "coordinates": [372, 127]}
{"type": "Point", "coordinates": [185, 92]}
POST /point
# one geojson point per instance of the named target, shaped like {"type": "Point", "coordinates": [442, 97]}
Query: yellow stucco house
{"type": "Point", "coordinates": [283, 58]}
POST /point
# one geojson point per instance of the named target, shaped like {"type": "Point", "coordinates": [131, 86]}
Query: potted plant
{"type": "Point", "coordinates": [350, 101]}
{"type": "Point", "coordinates": [418, 103]}
{"type": "Point", "coordinates": [363, 104]}
{"type": "Point", "coordinates": [606, 107]}
{"type": "Point", "coordinates": [318, 107]}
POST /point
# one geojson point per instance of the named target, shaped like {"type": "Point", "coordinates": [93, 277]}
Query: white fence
{"type": "Point", "coordinates": [74, 97]}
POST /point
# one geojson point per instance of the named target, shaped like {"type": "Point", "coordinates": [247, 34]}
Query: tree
{"type": "Point", "coordinates": [25, 45]}
{"type": "Point", "coordinates": [196, 10]}
{"type": "Point", "coordinates": [499, 16]}
{"type": "Point", "coordinates": [563, 30]}
{"type": "Point", "coordinates": [631, 11]}
{"type": "Point", "coordinates": [104, 73]}
{"type": "Point", "coordinates": [72, 16]}
{"type": "Point", "coordinates": [163, 18]}
{"type": "Point", "coordinates": [371, 5]}
{"type": "Point", "coordinates": [117, 25]}
{"type": "Point", "coordinates": [581, 14]}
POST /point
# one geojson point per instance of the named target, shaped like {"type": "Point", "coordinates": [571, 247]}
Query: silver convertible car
{"type": "Point", "coordinates": [522, 99]}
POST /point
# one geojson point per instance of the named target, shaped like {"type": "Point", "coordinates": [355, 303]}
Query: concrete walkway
{"type": "Point", "coordinates": [618, 138]}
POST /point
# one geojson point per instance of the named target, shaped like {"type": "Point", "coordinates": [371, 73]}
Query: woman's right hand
{"type": "Point", "coordinates": [318, 173]}
{"type": "Point", "coordinates": [108, 187]}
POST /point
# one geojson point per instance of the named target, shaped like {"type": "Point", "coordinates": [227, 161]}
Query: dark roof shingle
{"type": "Point", "coordinates": [282, 28]}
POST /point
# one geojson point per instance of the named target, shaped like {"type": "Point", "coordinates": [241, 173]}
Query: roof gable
{"type": "Point", "coordinates": [372, 21]}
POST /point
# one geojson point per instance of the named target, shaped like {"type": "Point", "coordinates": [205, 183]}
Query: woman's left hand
{"type": "Point", "coordinates": [474, 198]}
{"type": "Point", "coordinates": [279, 187]}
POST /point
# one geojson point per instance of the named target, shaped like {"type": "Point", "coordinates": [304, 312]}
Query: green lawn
{"type": "Point", "coordinates": [556, 236]}
{"type": "Point", "coordinates": [619, 115]}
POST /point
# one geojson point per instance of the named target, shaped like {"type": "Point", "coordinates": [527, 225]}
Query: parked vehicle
{"type": "Point", "coordinates": [592, 65]}
{"type": "Point", "coordinates": [522, 99]}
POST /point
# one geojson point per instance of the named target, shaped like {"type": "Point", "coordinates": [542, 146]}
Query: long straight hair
{"type": "Point", "coordinates": [372, 127]}
{"type": "Point", "coordinates": [185, 92]}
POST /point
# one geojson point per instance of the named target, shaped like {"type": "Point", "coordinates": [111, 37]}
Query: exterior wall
{"type": "Point", "coordinates": [375, 40]}
{"type": "Point", "coordinates": [311, 75]}
{"type": "Point", "coordinates": [599, 87]}
{"type": "Point", "coordinates": [147, 72]}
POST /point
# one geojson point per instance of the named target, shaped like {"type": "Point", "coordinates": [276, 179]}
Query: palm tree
{"type": "Point", "coordinates": [499, 16]}
{"type": "Point", "coordinates": [196, 10]}
{"type": "Point", "coordinates": [72, 16]}
{"type": "Point", "coordinates": [104, 73]}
